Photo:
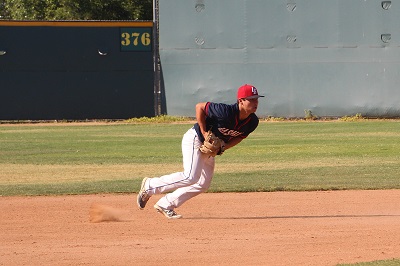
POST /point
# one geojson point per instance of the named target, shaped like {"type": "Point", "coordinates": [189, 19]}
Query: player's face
{"type": "Point", "coordinates": [250, 105]}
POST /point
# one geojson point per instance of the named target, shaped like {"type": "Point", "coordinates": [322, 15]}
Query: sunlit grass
{"type": "Point", "coordinates": [114, 157]}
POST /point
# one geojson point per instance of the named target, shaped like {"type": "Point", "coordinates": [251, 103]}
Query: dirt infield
{"type": "Point", "coordinates": [280, 228]}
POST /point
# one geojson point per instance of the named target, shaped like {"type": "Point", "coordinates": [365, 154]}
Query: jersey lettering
{"type": "Point", "coordinates": [229, 132]}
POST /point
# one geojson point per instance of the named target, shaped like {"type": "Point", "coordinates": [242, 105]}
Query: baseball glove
{"type": "Point", "coordinates": [212, 145]}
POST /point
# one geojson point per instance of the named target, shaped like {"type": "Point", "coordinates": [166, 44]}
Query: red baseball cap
{"type": "Point", "coordinates": [248, 91]}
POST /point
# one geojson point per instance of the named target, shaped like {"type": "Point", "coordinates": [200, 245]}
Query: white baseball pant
{"type": "Point", "coordinates": [198, 170]}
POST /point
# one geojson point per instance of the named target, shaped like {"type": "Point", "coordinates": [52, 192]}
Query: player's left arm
{"type": "Point", "coordinates": [233, 142]}
{"type": "Point", "coordinates": [236, 140]}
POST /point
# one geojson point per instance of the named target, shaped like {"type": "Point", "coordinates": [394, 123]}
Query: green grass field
{"type": "Point", "coordinates": [56, 159]}
{"type": "Point", "coordinates": [114, 157]}
{"type": "Point", "coordinates": [394, 262]}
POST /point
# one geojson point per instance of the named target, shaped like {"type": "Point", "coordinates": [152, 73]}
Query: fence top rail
{"type": "Point", "coordinates": [76, 23]}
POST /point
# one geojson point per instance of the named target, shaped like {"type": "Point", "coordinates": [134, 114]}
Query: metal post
{"type": "Point", "coordinates": [156, 60]}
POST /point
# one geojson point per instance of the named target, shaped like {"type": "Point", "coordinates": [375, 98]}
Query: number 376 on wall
{"type": "Point", "coordinates": [136, 39]}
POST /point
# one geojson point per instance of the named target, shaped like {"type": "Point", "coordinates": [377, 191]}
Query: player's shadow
{"type": "Point", "coordinates": [295, 217]}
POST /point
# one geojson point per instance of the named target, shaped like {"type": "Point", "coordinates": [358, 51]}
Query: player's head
{"type": "Point", "coordinates": [247, 98]}
{"type": "Point", "coordinates": [248, 91]}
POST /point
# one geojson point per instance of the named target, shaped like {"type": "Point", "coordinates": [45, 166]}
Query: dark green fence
{"type": "Point", "coordinates": [76, 70]}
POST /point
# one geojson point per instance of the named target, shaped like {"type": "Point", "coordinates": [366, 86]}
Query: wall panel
{"type": "Point", "coordinates": [333, 57]}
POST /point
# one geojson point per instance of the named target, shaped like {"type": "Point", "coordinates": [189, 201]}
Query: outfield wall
{"type": "Point", "coordinates": [332, 57]}
{"type": "Point", "coordinates": [76, 70]}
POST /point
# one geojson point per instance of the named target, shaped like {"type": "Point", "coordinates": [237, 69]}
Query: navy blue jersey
{"type": "Point", "coordinates": [223, 120]}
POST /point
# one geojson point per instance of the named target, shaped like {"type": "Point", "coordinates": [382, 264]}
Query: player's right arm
{"type": "Point", "coordinates": [201, 117]}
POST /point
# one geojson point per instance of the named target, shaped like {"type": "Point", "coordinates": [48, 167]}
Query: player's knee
{"type": "Point", "coordinates": [203, 189]}
{"type": "Point", "coordinates": [193, 180]}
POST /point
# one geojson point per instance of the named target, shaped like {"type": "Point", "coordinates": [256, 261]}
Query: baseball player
{"type": "Point", "coordinates": [219, 127]}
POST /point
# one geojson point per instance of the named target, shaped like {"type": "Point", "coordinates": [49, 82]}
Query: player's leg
{"type": "Point", "coordinates": [193, 161]}
{"type": "Point", "coordinates": [183, 194]}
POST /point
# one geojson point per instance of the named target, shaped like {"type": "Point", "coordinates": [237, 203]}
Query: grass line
{"type": "Point", "coordinates": [99, 158]}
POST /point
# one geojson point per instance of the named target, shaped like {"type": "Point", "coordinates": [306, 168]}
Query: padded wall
{"type": "Point", "coordinates": [332, 57]}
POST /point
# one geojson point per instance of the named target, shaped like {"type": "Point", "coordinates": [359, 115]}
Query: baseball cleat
{"type": "Point", "coordinates": [170, 214]}
{"type": "Point", "coordinates": [143, 196]}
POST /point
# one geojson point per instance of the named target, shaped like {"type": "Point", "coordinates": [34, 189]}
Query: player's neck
{"type": "Point", "coordinates": [243, 114]}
